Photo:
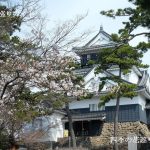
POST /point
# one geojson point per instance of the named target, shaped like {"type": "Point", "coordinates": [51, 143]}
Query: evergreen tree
{"type": "Point", "coordinates": [16, 99]}
{"type": "Point", "coordinates": [124, 56]}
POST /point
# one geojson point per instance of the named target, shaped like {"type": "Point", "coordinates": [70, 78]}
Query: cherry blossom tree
{"type": "Point", "coordinates": [34, 69]}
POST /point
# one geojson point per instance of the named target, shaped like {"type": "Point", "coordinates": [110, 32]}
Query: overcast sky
{"type": "Point", "coordinates": [57, 11]}
{"type": "Point", "coordinates": [67, 9]}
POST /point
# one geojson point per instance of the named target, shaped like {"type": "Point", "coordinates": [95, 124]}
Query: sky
{"type": "Point", "coordinates": [61, 10]}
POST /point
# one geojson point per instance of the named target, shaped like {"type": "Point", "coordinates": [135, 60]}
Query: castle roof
{"type": "Point", "coordinates": [99, 41]}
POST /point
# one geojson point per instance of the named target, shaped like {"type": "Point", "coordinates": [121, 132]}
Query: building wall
{"type": "Point", "coordinates": [148, 116]}
{"type": "Point", "coordinates": [126, 101]}
{"type": "Point", "coordinates": [127, 113]}
{"type": "Point", "coordinates": [51, 127]}
{"type": "Point", "coordinates": [55, 127]}
{"type": "Point", "coordinates": [95, 100]}
{"type": "Point", "coordinates": [85, 59]}
{"type": "Point", "coordinates": [133, 77]}
{"type": "Point", "coordinates": [92, 81]}
{"type": "Point", "coordinates": [83, 103]}
{"type": "Point", "coordinates": [130, 109]}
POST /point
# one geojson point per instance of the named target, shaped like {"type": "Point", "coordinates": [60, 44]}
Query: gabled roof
{"type": "Point", "coordinates": [143, 85]}
{"type": "Point", "coordinates": [83, 71]}
{"type": "Point", "coordinates": [100, 40]}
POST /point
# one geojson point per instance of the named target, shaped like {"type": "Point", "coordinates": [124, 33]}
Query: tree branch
{"type": "Point", "coordinates": [7, 83]}
{"type": "Point", "coordinates": [135, 35]}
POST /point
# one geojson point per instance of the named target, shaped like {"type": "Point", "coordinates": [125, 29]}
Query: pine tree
{"type": "Point", "coordinates": [124, 56]}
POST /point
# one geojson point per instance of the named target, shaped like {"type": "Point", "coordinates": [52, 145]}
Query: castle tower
{"type": "Point", "coordinates": [90, 50]}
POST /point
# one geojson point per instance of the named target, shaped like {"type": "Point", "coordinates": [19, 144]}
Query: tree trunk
{"type": "Point", "coordinates": [116, 123]}
{"type": "Point", "coordinates": [14, 147]}
{"type": "Point", "coordinates": [117, 115]}
{"type": "Point", "coordinates": [12, 141]}
{"type": "Point", "coordinates": [72, 135]}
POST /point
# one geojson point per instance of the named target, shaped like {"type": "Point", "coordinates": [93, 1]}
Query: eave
{"type": "Point", "coordinates": [83, 71]}
{"type": "Point", "coordinates": [145, 93]}
{"type": "Point", "coordinates": [87, 117]}
{"type": "Point", "coordinates": [137, 71]}
{"type": "Point", "coordinates": [92, 49]}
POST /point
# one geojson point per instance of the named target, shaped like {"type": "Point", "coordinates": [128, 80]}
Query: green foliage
{"type": "Point", "coordinates": [101, 85]}
{"type": "Point", "coordinates": [106, 98]}
{"type": "Point", "coordinates": [142, 3]}
{"type": "Point", "coordinates": [4, 140]}
{"type": "Point", "coordinates": [77, 79]}
{"type": "Point", "coordinates": [143, 47]}
{"type": "Point", "coordinates": [91, 62]}
{"type": "Point", "coordinates": [9, 22]}
{"type": "Point", "coordinates": [74, 64]}
{"type": "Point", "coordinates": [115, 38]}
{"type": "Point", "coordinates": [27, 105]}
{"type": "Point", "coordinates": [86, 96]}
{"type": "Point", "coordinates": [124, 57]}
{"type": "Point", "coordinates": [139, 16]}
{"type": "Point", "coordinates": [122, 90]}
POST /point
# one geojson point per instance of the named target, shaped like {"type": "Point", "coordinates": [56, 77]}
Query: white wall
{"type": "Point", "coordinates": [133, 77]}
{"type": "Point", "coordinates": [52, 127]}
{"type": "Point", "coordinates": [83, 103]}
{"type": "Point", "coordinates": [124, 101]}
{"type": "Point", "coordinates": [92, 81]}
{"type": "Point", "coordinates": [55, 127]}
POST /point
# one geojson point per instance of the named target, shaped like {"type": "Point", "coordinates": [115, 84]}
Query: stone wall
{"type": "Point", "coordinates": [104, 140]}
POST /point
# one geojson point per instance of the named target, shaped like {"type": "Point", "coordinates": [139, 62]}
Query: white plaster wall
{"type": "Point", "coordinates": [100, 40]}
{"type": "Point", "coordinates": [148, 85]}
{"type": "Point", "coordinates": [91, 77]}
{"type": "Point", "coordinates": [52, 128]}
{"type": "Point", "coordinates": [123, 101]}
{"type": "Point", "coordinates": [133, 77]}
{"type": "Point", "coordinates": [83, 103]}
{"type": "Point", "coordinates": [126, 101]}
{"type": "Point", "coordinates": [55, 127]}
{"type": "Point", "coordinates": [92, 81]}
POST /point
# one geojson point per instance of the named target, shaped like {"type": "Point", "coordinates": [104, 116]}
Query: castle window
{"type": "Point", "coordinates": [94, 56]}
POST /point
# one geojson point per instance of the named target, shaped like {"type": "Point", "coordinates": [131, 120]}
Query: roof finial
{"type": "Point", "coordinates": [101, 28]}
